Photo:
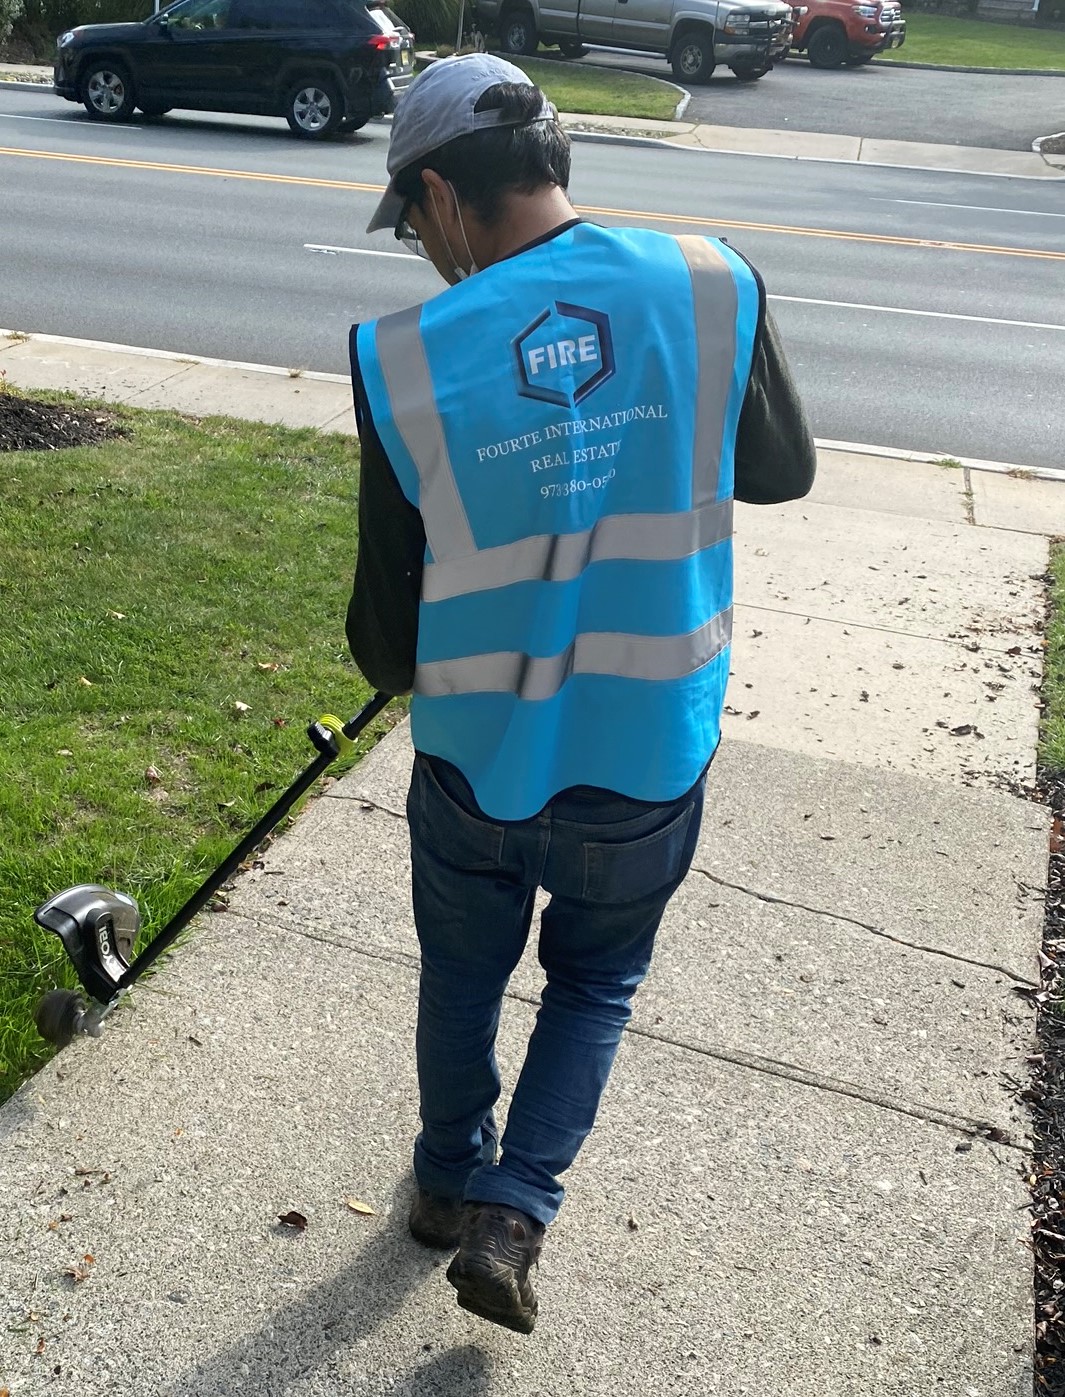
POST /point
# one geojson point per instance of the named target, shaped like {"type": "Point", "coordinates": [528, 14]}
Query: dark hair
{"type": "Point", "coordinates": [489, 164]}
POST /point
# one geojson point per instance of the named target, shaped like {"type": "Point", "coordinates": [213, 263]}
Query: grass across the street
{"type": "Point", "coordinates": [599, 91]}
{"type": "Point", "coordinates": [1052, 735]}
{"type": "Point", "coordinates": [972, 43]}
{"type": "Point", "coordinates": [151, 586]}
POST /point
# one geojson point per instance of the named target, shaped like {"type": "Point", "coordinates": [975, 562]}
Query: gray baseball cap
{"type": "Point", "coordinates": [438, 107]}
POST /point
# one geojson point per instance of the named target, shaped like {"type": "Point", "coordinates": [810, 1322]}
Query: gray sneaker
{"type": "Point", "coordinates": [498, 1248]}
{"type": "Point", "coordinates": [435, 1221]}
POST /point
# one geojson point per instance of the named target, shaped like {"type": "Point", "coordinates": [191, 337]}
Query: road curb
{"type": "Point", "coordinates": [853, 448]}
{"type": "Point", "coordinates": [15, 86]}
{"type": "Point", "coordinates": [667, 143]}
{"type": "Point", "coordinates": [957, 68]}
{"type": "Point", "coordinates": [931, 458]}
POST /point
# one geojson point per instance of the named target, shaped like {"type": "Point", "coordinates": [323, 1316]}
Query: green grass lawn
{"type": "Point", "coordinates": [972, 43]}
{"type": "Point", "coordinates": [1052, 734]}
{"type": "Point", "coordinates": [597, 92]}
{"type": "Point", "coordinates": [148, 586]}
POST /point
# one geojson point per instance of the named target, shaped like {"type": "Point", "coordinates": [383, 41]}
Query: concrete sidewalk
{"type": "Point", "coordinates": [738, 140]}
{"type": "Point", "coordinates": [807, 1177]}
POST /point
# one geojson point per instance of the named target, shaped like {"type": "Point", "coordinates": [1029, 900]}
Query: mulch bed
{"type": "Point", "coordinates": [29, 425]}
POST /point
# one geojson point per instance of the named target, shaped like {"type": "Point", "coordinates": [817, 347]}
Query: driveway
{"type": "Point", "coordinates": [895, 104]}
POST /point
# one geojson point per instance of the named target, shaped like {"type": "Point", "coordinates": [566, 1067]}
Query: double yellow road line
{"type": "Point", "coordinates": [641, 215]}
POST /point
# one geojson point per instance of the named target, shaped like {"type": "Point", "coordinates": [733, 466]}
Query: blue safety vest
{"type": "Point", "coordinates": [565, 422]}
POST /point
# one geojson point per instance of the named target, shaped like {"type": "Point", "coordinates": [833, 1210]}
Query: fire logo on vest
{"type": "Point", "coordinates": [564, 355]}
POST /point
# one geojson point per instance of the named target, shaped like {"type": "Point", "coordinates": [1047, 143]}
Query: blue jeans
{"type": "Point", "coordinates": [610, 864]}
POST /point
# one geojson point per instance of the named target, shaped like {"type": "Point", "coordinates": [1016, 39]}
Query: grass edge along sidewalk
{"type": "Point", "coordinates": [1046, 1091]}
{"type": "Point", "coordinates": [1052, 730]}
{"type": "Point", "coordinates": [171, 617]}
{"type": "Point", "coordinates": [975, 43]}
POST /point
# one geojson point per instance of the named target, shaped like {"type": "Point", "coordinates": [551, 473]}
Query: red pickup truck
{"type": "Point", "coordinates": [834, 32]}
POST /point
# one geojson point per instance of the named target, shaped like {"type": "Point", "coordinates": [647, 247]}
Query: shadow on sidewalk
{"type": "Point", "coordinates": [315, 1339]}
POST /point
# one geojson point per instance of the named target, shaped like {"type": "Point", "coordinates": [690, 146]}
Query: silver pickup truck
{"type": "Point", "coordinates": [693, 35]}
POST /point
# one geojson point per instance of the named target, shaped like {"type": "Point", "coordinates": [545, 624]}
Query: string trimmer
{"type": "Point", "coordinates": [98, 926]}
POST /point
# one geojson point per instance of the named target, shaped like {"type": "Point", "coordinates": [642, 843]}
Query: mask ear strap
{"type": "Point", "coordinates": [458, 214]}
{"type": "Point", "coordinates": [460, 274]}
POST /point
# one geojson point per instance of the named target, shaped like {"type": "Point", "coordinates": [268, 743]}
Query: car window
{"type": "Point", "coordinates": [365, 17]}
{"type": "Point", "coordinates": [194, 15]}
{"type": "Point", "coordinates": [274, 14]}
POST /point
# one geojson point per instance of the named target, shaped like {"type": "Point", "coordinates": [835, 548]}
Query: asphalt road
{"type": "Point", "coordinates": [893, 104]}
{"type": "Point", "coordinates": [226, 237]}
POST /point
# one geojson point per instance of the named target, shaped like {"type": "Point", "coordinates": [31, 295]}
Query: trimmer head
{"type": "Point", "coordinates": [98, 927]}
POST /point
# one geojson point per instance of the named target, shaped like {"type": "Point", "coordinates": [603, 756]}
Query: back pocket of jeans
{"type": "Point", "coordinates": [454, 835]}
{"type": "Point", "coordinates": [629, 870]}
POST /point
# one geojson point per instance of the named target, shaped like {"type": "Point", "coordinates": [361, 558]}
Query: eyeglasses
{"type": "Point", "coordinates": [406, 235]}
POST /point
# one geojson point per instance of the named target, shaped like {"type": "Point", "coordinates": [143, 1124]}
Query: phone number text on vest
{"type": "Point", "coordinates": [576, 487]}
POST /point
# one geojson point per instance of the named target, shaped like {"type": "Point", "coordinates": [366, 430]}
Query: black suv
{"type": "Point", "coordinates": [325, 65]}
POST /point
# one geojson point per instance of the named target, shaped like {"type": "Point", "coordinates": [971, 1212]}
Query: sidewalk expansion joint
{"type": "Point", "coordinates": [943, 1117]}
{"type": "Point", "coordinates": [874, 930]}
{"type": "Point", "coordinates": [953, 641]}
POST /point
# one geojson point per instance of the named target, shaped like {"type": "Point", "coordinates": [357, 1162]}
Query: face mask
{"type": "Point", "coordinates": [460, 272]}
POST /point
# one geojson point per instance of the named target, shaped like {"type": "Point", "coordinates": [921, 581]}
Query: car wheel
{"type": "Point", "coordinates": [857, 59]}
{"type": "Point", "coordinates": [518, 33]}
{"type": "Point", "coordinates": [828, 47]}
{"type": "Point", "coordinates": [693, 57]}
{"type": "Point", "coordinates": [153, 109]}
{"type": "Point", "coordinates": [353, 123]}
{"type": "Point", "coordinates": [751, 74]}
{"type": "Point", "coordinates": [568, 49]}
{"type": "Point", "coordinates": [107, 92]}
{"type": "Point", "coordinates": [314, 109]}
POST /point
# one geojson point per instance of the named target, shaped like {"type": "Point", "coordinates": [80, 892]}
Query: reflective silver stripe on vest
{"type": "Point", "coordinates": [651, 657]}
{"type": "Point", "coordinates": [715, 296]}
{"type": "Point", "coordinates": [563, 557]}
{"type": "Point", "coordinates": [410, 389]}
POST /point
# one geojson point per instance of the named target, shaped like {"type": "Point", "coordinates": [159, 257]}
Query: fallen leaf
{"type": "Point", "coordinates": [117, 615]}
{"type": "Point", "coordinates": [293, 1219]}
{"type": "Point", "coordinates": [634, 1226]}
{"type": "Point", "coordinates": [86, 683]}
{"type": "Point", "coordinates": [754, 713]}
{"type": "Point", "coordinates": [39, 1349]}
{"type": "Point", "coordinates": [64, 752]}
{"type": "Point", "coordinates": [263, 786]}
{"type": "Point", "coordinates": [76, 1272]}
{"type": "Point", "coordinates": [267, 668]}
{"type": "Point", "coordinates": [358, 1206]}
{"type": "Point", "coordinates": [241, 708]}
{"type": "Point", "coordinates": [280, 722]}
{"type": "Point", "coordinates": [152, 776]}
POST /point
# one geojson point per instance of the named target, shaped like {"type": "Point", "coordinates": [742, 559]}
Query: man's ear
{"type": "Point", "coordinates": [437, 195]}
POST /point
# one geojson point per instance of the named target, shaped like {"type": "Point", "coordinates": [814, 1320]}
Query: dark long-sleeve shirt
{"type": "Point", "coordinates": [775, 461]}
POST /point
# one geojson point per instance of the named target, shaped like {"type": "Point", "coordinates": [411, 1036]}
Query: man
{"type": "Point", "coordinates": [550, 449]}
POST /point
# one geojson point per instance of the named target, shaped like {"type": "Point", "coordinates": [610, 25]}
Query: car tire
{"type": "Point", "coordinates": [107, 91]}
{"type": "Point", "coordinates": [751, 74]}
{"type": "Point", "coordinates": [828, 47]}
{"type": "Point", "coordinates": [352, 123]}
{"type": "Point", "coordinates": [153, 109]}
{"type": "Point", "coordinates": [314, 109]}
{"type": "Point", "coordinates": [692, 59]}
{"type": "Point", "coordinates": [857, 60]}
{"type": "Point", "coordinates": [517, 33]}
{"type": "Point", "coordinates": [569, 49]}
